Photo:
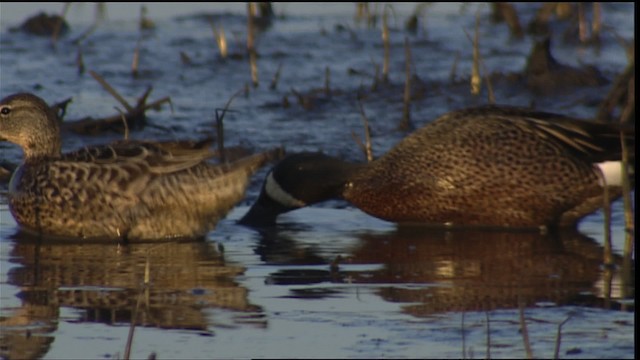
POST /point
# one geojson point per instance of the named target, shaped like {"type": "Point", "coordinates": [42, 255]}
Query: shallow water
{"type": "Point", "coordinates": [330, 281]}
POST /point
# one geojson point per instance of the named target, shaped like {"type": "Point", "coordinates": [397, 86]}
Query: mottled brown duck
{"type": "Point", "coordinates": [123, 191]}
{"type": "Point", "coordinates": [494, 166]}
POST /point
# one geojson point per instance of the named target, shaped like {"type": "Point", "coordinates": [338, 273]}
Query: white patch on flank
{"type": "Point", "coordinates": [276, 192]}
{"type": "Point", "coordinates": [611, 173]}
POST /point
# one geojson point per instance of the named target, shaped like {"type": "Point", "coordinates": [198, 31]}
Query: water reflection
{"type": "Point", "coordinates": [434, 271]}
{"type": "Point", "coordinates": [102, 284]}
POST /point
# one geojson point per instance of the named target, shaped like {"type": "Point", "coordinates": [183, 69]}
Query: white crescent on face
{"type": "Point", "coordinates": [275, 192]}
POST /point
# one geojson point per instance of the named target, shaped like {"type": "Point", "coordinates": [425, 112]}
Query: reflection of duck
{"type": "Point", "coordinates": [475, 270]}
{"type": "Point", "coordinates": [102, 282]}
{"type": "Point", "coordinates": [462, 270]}
{"type": "Point", "coordinates": [127, 190]}
{"type": "Point", "coordinates": [489, 166]}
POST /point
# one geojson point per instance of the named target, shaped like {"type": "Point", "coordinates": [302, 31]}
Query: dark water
{"type": "Point", "coordinates": [330, 281]}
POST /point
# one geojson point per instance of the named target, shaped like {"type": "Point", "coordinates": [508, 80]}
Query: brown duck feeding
{"type": "Point", "coordinates": [126, 190]}
{"type": "Point", "coordinates": [495, 166]}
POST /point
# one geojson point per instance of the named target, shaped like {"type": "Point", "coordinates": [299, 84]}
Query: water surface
{"type": "Point", "coordinates": [330, 281]}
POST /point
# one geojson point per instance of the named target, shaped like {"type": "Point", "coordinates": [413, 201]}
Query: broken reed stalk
{"type": "Point", "coordinates": [376, 75]}
{"type": "Point", "coordinates": [476, 81]}
{"type": "Point", "coordinates": [607, 282]}
{"type": "Point", "coordinates": [405, 124]}
{"type": "Point", "coordinates": [123, 116]}
{"type": "Point", "coordinates": [251, 10]}
{"type": "Point", "coordinates": [606, 209]}
{"type": "Point", "coordinates": [386, 45]}
{"type": "Point", "coordinates": [221, 39]}
{"type": "Point", "coordinates": [327, 81]}
{"type": "Point", "coordinates": [132, 328]}
{"type": "Point", "coordinates": [366, 147]}
{"type": "Point", "coordinates": [111, 90]}
{"type": "Point", "coordinates": [185, 59]}
{"type": "Point", "coordinates": [136, 59]}
{"type": "Point", "coordinates": [134, 313]}
{"type": "Point", "coordinates": [523, 329]}
{"type": "Point", "coordinates": [596, 25]}
{"type": "Point", "coordinates": [454, 68]}
{"type": "Point", "coordinates": [490, 95]}
{"type": "Point", "coordinates": [80, 61]}
{"type": "Point", "coordinates": [220, 125]}
{"type": "Point", "coordinates": [629, 241]}
{"type": "Point", "coordinates": [276, 78]}
{"type": "Point", "coordinates": [56, 30]}
{"type": "Point", "coordinates": [582, 23]}
{"type": "Point", "coordinates": [559, 337]}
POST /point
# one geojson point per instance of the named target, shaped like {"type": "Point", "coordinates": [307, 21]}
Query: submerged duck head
{"type": "Point", "coordinates": [297, 181]}
{"type": "Point", "coordinates": [27, 121]}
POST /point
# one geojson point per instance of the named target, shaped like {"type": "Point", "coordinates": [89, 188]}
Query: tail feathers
{"type": "Point", "coordinates": [612, 174]}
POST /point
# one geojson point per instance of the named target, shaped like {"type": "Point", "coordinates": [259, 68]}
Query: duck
{"type": "Point", "coordinates": [495, 166]}
{"type": "Point", "coordinates": [125, 191]}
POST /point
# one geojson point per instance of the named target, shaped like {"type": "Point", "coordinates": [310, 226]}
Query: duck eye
{"type": "Point", "coordinates": [5, 110]}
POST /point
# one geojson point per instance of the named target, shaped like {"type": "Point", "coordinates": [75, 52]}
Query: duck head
{"type": "Point", "coordinates": [27, 120]}
{"type": "Point", "coordinates": [297, 181]}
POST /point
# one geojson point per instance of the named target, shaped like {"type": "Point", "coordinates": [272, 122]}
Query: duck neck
{"type": "Point", "coordinates": [42, 147]}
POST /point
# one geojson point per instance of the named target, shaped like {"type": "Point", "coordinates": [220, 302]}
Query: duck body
{"type": "Point", "coordinates": [125, 191]}
{"type": "Point", "coordinates": [496, 166]}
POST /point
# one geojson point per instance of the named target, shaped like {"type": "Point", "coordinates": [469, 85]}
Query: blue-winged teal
{"type": "Point", "coordinates": [127, 190]}
{"type": "Point", "coordinates": [494, 166]}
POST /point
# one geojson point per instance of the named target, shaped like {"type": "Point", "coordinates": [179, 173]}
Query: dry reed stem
{"type": "Point", "coordinates": [327, 81]}
{"type": "Point", "coordinates": [123, 116]}
{"type": "Point", "coordinates": [220, 125]}
{"type": "Point", "coordinates": [143, 99]}
{"type": "Point", "coordinates": [111, 90]}
{"type": "Point", "coordinates": [477, 61]}
{"type": "Point", "coordinates": [56, 30]}
{"type": "Point", "coordinates": [629, 241]}
{"type": "Point", "coordinates": [582, 24]}
{"type": "Point", "coordinates": [406, 109]}
{"type": "Point", "coordinates": [476, 81]}
{"type": "Point", "coordinates": [251, 11]}
{"type": "Point", "coordinates": [454, 67]}
{"type": "Point", "coordinates": [157, 103]}
{"type": "Point", "coordinates": [185, 59]}
{"type": "Point", "coordinates": [606, 210]}
{"type": "Point", "coordinates": [276, 78]}
{"type": "Point", "coordinates": [136, 60]}
{"type": "Point", "coordinates": [376, 75]}
{"type": "Point", "coordinates": [559, 337]}
{"type": "Point", "coordinates": [490, 95]}
{"type": "Point", "coordinates": [523, 329]}
{"type": "Point", "coordinates": [367, 149]}
{"type": "Point", "coordinates": [386, 45]}
{"type": "Point", "coordinates": [221, 39]}
{"type": "Point", "coordinates": [596, 25]}
{"type": "Point", "coordinates": [134, 314]}
{"type": "Point", "coordinates": [132, 328]}
{"type": "Point", "coordinates": [80, 61]}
